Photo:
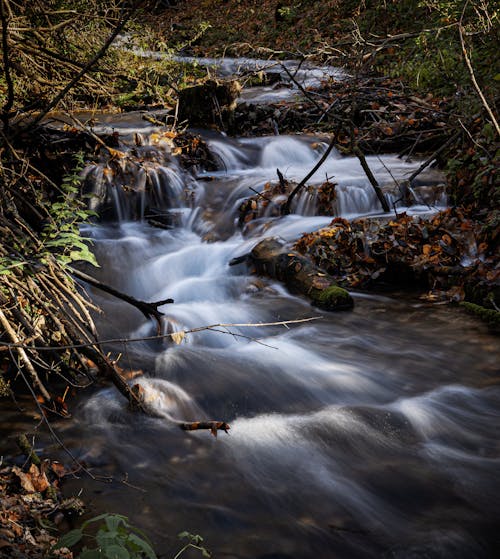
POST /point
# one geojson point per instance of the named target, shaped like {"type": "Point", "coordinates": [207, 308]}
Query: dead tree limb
{"type": "Point", "coordinates": [373, 181]}
{"type": "Point", "coordinates": [301, 87]}
{"type": "Point", "coordinates": [430, 159]}
{"type": "Point", "coordinates": [214, 426]}
{"type": "Point", "coordinates": [298, 188]}
{"type": "Point", "coordinates": [473, 77]}
{"type": "Point", "coordinates": [4, 8]}
{"type": "Point", "coordinates": [149, 310]}
{"type": "Point", "coordinates": [24, 358]}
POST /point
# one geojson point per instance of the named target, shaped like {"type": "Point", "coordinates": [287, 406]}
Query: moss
{"type": "Point", "coordinates": [490, 316]}
{"type": "Point", "coordinates": [333, 298]}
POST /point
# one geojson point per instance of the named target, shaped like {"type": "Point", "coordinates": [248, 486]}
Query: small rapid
{"type": "Point", "coordinates": [365, 434]}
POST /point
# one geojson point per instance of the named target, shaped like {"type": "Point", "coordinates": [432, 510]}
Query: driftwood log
{"type": "Point", "coordinates": [271, 258]}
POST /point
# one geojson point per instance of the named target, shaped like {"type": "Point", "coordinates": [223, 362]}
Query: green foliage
{"type": "Point", "coordinates": [473, 171]}
{"type": "Point", "coordinates": [115, 538]}
{"type": "Point", "coordinates": [431, 58]}
{"type": "Point", "coordinates": [61, 236]}
{"type": "Point", "coordinates": [194, 541]}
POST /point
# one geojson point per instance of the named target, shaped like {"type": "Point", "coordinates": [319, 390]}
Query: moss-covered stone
{"type": "Point", "coordinates": [333, 298]}
{"type": "Point", "coordinates": [490, 316]}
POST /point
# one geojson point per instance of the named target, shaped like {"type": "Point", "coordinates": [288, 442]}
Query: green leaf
{"type": "Point", "coordinates": [143, 545]}
{"type": "Point", "coordinates": [95, 519]}
{"type": "Point", "coordinates": [105, 538]}
{"type": "Point", "coordinates": [70, 539]}
{"type": "Point", "coordinates": [113, 521]}
{"type": "Point", "coordinates": [115, 551]}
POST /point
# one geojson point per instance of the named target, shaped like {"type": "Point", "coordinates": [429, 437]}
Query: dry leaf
{"type": "Point", "coordinates": [177, 337]}
{"type": "Point", "coordinates": [38, 478]}
{"type": "Point", "coordinates": [25, 479]}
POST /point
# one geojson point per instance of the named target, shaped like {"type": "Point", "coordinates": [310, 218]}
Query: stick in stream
{"type": "Point", "coordinates": [430, 159]}
{"type": "Point", "coordinates": [296, 190]}
{"type": "Point", "coordinates": [373, 181]}
{"type": "Point", "coordinates": [214, 426]}
{"type": "Point", "coordinates": [149, 310]}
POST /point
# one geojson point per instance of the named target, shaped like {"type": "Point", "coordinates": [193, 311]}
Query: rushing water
{"type": "Point", "coordinates": [371, 433]}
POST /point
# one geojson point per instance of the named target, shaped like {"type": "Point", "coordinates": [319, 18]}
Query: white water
{"type": "Point", "coordinates": [372, 433]}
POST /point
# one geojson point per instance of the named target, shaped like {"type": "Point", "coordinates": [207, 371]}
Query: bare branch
{"type": "Point", "coordinates": [4, 16]}
{"type": "Point", "coordinates": [473, 78]}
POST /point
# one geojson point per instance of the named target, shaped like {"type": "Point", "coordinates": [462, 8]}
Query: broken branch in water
{"type": "Point", "coordinates": [373, 181]}
{"type": "Point", "coordinates": [296, 190]}
{"type": "Point", "coordinates": [214, 426]}
{"type": "Point", "coordinates": [149, 310]}
{"type": "Point", "coordinates": [140, 400]}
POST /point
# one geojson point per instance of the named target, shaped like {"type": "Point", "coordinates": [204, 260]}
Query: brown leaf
{"type": "Point", "coordinates": [58, 469]}
{"type": "Point", "coordinates": [25, 479]}
{"type": "Point", "coordinates": [38, 478]}
{"type": "Point", "coordinates": [177, 337]}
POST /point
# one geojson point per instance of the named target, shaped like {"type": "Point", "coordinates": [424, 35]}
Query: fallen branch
{"type": "Point", "coordinates": [214, 426]}
{"type": "Point", "coordinates": [4, 7]}
{"type": "Point", "coordinates": [430, 159]}
{"type": "Point", "coordinates": [102, 51]}
{"type": "Point", "coordinates": [373, 181]}
{"type": "Point", "coordinates": [24, 357]}
{"type": "Point", "coordinates": [149, 310]}
{"type": "Point", "coordinates": [286, 207]}
{"type": "Point", "coordinates": [301, 87]}
{"type": "Point", "coordinates": [6, 346]}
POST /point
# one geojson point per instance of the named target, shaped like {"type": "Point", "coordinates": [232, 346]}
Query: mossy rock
{"type": "Point", "coordinates": [333, 298]}
{"type": "Point", "coordinates": [490, 316]}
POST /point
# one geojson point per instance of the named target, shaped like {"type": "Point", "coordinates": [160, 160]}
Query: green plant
{"type": "Point", "coordinates": [114, 539]}
{"type": "Point", "coordinates": [194, 541]}
{"type": "Point", "coordinates": [61, 236]}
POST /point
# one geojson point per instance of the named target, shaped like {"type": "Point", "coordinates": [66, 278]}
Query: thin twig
{"type": "Point", "coordinates": [471, 72]}
{"type": "Point", "coordinates": [285, 323]}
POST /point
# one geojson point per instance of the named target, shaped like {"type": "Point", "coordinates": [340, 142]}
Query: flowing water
{"type": "Point", "coordinates": [371, 433]}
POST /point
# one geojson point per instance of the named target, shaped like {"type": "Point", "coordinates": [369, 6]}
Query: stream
{"type": "Point", "coordinates": [370, 433]}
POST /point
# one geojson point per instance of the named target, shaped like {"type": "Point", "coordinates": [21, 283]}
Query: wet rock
{"type": "Point", "coordinates": [333, 298]}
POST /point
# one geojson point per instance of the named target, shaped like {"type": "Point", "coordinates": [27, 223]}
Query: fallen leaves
{"type": "Point", "coordinates": [445, 252]}
{"type": "Point", "coordinates": [30, 509]}
{"type": "Point", "coordinates": [32, 481]}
